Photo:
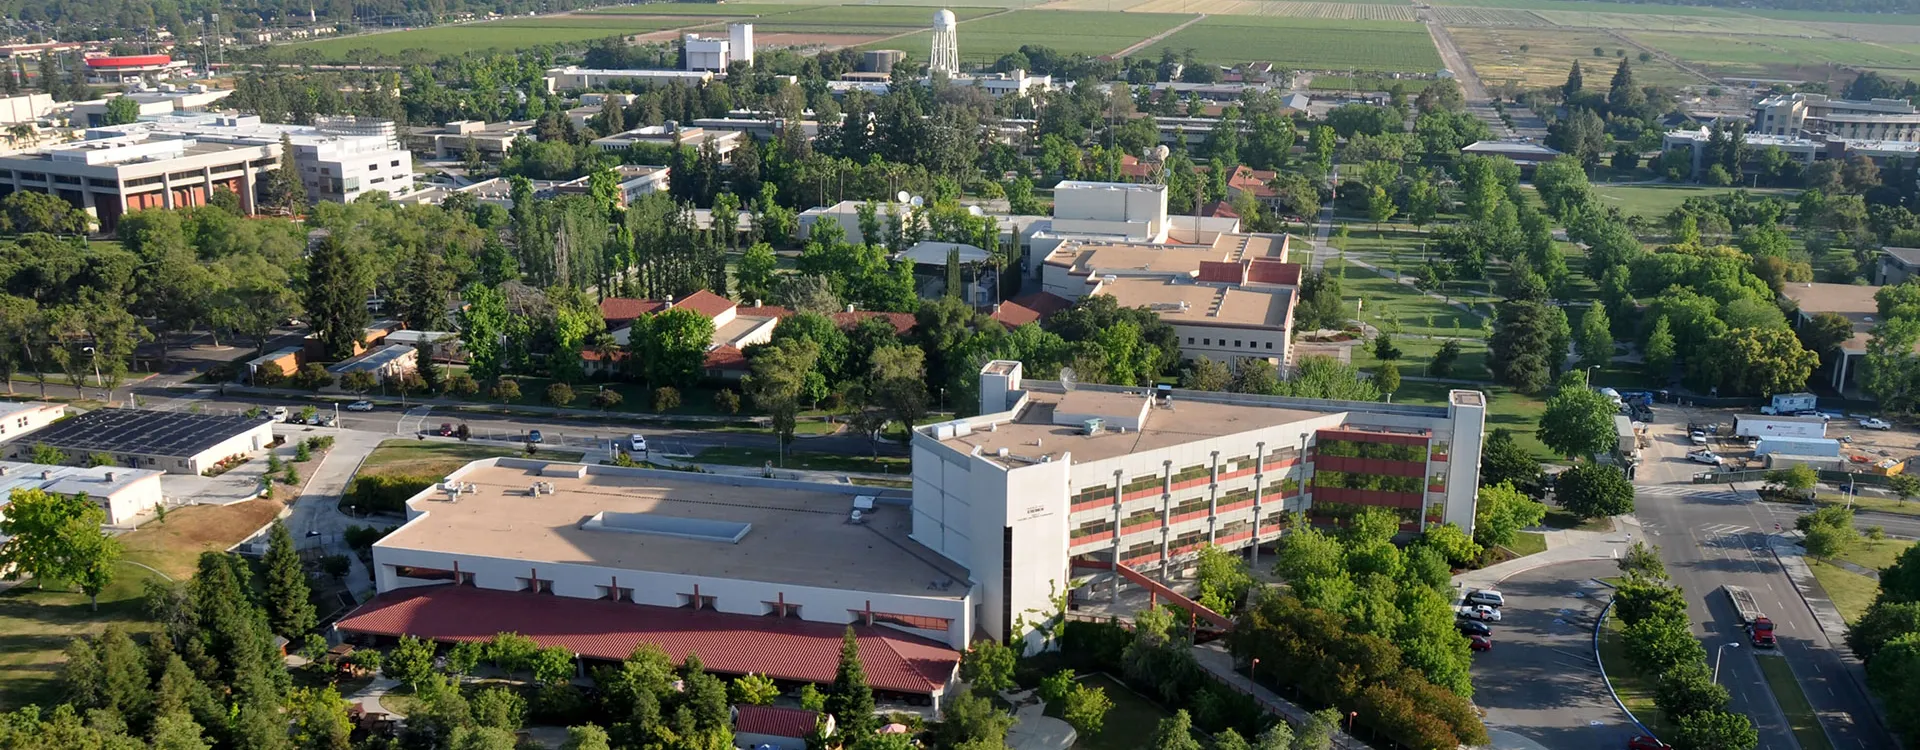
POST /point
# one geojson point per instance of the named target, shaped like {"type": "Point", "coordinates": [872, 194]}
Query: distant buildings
{"type": "Point", "coordinates": [109, 176]}
{"type": "Point", "coordinates": [669, 134]}
{"type": "Point", "coordinates": [1807, 115]}
{"type": "Point", "coordinates": [1850, 301]}
{"type": "Point", "coordinates": [1803, 149]}
{"type": "Point", "coordinates": [125, 494]}
{"type": "Point", "coordinates": [715, 54]}
{"type": "Point", "coordinates": [21, 417]}
{"type": "Point", "coordinates": [635, 181]}
{"type": "Point", "coordinates": [172, 442]}
{"type": "Point", "coordinates": [386, 363]}
{"type": "Point", "coordinates": [450, 141]}
{"type": "Point", "coordinates": [574, 78]}
{"type": "Point", "coordinates": [1897, 265]}
{"type": "Point", "coordinates": [1522, 153]}
{"type": "Point", "coordinates": [340, 158]}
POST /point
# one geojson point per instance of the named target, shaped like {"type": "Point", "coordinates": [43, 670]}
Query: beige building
{"type": "Point", "coordinates": [21, 417]}
{"type": "Point", "coordinates": [1801, 115]}
{"type": "Point", "coordinates": [108, 177]}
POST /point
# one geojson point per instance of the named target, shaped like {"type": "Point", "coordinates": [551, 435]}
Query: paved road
{"type": "Point", "coordinates": [1540, 680]}
{"type": "Point", "coordinates": [1709, 540]}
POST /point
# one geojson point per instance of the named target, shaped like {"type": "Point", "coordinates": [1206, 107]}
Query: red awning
{"type": "Point", "coordinates": [782, 648]}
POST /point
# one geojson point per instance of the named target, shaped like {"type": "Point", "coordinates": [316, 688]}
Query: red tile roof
{"type": "Point", "coordinates": [593, 355]}
{"type": "Point", "coordinates": [725, 357]}
{"type": "Point", "coordinates": [706, 303]}
{"type": "Point", "coordinates": [626, 310]}
{"type": "Point", "coordinates": [902, 322]}
{"type": "Point", "coordinates": [1270, 271]}
{"type": "Point", "coordinates": [1030, 308]}
{"type": "Point", "coordinates": [1220, 209]}
{"type": "Point", "coordinates": [775, 721]}
{"type": "Point", "coordinates": [1252, 180]}
{"type": "Point", "coordinates": [781, 648]}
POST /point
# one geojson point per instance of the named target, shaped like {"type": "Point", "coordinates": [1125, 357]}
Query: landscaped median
{"type": "Point", "coordinates": [1793, 702]}
{"type": "Point", "coordinates": [1658, 669]}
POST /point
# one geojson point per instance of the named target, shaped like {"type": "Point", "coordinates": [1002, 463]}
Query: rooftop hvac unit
{"type": "Point", "coordinates": [1003, 453]}
{"type": "Point", "coordinates": [863, 502]}
{"type": "Point", "coordinates": [1094, 425]}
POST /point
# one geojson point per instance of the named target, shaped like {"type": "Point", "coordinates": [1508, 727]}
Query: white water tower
{"type": "Point", "coordinates": [946, 44]}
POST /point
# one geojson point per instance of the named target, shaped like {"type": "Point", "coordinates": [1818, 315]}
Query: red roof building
{"type": "Point", "coordinates": [620, 312]}
{"type": "Point", "coordinates": [1029, 308]}
{"type": "Point", "coordinates": [778, 722]}
{"type": "Point", "coordinates": [782, 648]}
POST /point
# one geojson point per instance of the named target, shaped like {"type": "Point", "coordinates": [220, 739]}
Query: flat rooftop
{"type": "Point", "coordinates": [1187, 422]}
{"type": "Point", "coordinates": [1094, 257]}
{"type": "Point", "coordinates": [143, 432]}
{"type": "Point", "coordinates": [1854, 302]}
{"type": "Point", "coordinates": [798, 536]}
{"type": "Point", "coordinates": [1203, 304]}
{"type": "Point", "coordinates": [94, 481]}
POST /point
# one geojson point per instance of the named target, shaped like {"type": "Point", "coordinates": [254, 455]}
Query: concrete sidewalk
{"type": "Point", "coordinates": [1787, 550]}
{"type": "Point", "coordinates": [1563, 545]}
{"type": "Point", "coordinates": [1214, 658]}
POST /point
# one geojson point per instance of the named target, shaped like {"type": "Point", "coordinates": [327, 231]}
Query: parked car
{"type": "Point", "coordinates": [1697, 437]}
{"type": "Point", "coordinates": [279, 414]}
{"type": "Point", "coordinates": [446, 429]}
{"type": "Point", "coordinates": [533, 436]}
{"type": "Point", "coordinates": [1875, 423]}
{"type": "Point", "coordinates": [637, 442]}
{"type": "Point", "coordinates": [1644, 742]}
{"type": "Point", "coordinates": [1473, 627]}
{"type": "Point", "coordinates": [360, 406]}
{"type": "Point", "coordinates": [1479, 612]}
{"type": "Point", "coordinates": [1480, 643]}
{"type": "Point", "coordinates": [1704, 457]}
{"type": "Point", "coordinates": [1487, 597]}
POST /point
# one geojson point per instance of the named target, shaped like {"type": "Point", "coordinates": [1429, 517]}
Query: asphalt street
{"type": "Point", "coordinates": [1716, 537]}
{"type": "Point", "coordinates": [1540, 681]}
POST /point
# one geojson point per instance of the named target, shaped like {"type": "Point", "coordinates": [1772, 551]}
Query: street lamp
{"type": "Point", "coordinates": [1350, 717]}
{"type": "Point", "coordinates": [1251, 667]}
{"type": "Point", "coordinates": [1588, 373]}
{"type": "Point", "coordinates": [1719, 652]}
{"type": "Point", "coordinates": [97, 380]}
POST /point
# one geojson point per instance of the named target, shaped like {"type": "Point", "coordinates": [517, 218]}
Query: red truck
{"type": "Point", "coordinates": [1761, 630]}
{"type": "Point", "coordinates": [1759, 627]}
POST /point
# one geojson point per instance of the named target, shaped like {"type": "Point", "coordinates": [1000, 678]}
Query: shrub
{"type": "Point", "coordinates": [505, 390]}
{"type": "Point", "coordinates": [386, 493]}
{"type": "Point", "coordinates": [727, 401]}
{"type": "Point", "coordinates": [607, 398]}
{"type": "Point", "coordinates": [559, 394]}
{"type": "Point", "coordinates": [666, 398]}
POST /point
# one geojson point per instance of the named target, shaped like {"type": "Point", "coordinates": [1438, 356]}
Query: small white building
{"type": "Point", "coordinates": [386, 363]}
{"type": "Point", "coordinates": [575, 78]}
{"type": "Point", "coordinates": [125, 494]}
{"type": "Point", "coordinates": [715, 54]}
{"type": "Point", "coordinates": [21, 417]}
{"type": "Point", "coordinates": [173, 442]}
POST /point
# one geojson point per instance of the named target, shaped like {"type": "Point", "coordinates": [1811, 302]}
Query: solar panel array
{"type": "Point", "coordinates": [144, 432]}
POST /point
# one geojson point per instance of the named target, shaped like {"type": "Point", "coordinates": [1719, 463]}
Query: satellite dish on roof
{"type": "Point", "coordinates": [1160, 153]}
{"type": "Point", "coordinates": [1069, 379]}
{"type": "Point", "coordinates": [975, 210]}
{"type": "Point", "coordinates": [917, 201]}
{"type": "Point", "coordinates": [900, 196]}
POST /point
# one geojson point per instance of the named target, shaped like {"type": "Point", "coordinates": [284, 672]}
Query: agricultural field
{"type": "Point", "coordinates": [1533, 58]}
{"type": "Point", "coordinates": [1073, 32]}
{"type": "Point", "coordinates": [1892, 32]}
{"type": "Point", "coordinates": [1331, 10]}
{"type": "Point", "coordinates": [692, 9]}
{"type": "Point", "coordinates": [1864, 19]}
{"type": "Point", "coordinates": [1674, 23]}
{"type": "Point", "coordinates": [1594, 7]}
{"type": "Point", "coordinates": [1780, 56]}
{"type": "Point", "coordinates": [1367, 83]}
{"type": "Point", "coordinates": [1489, 17]}
{"type": "Point", "coordinates": [504, 35]}
{"type": "Point", "coordinates": [1308, 44]}
{"type": "Point", "coordinates": [860, 19]}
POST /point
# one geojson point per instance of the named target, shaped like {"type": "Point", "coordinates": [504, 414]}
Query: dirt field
{"type": "Point", "coordinates": [1498, 56]}
{"type": "Point", "coordinates": [174, 547]}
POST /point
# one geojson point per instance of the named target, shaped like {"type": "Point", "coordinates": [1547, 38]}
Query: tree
{"type": "Point", "coordinates": [1578, 421]}
{"type": "Point", "coordinates": [1829, 531]}
{"type": "Point", "coordinates": [1882, 624]}
{"type": "Point", "coordinates": [1596, 337]}
{"type": "Point", "coordinates": [58, 537]}
{"type": "Point", "coordinates": [1659, 351]}
{"type": "Point", "coordinates": [339, 280]}
{"type": "Point", "coordinates": [409, 661]}
{"type": "Point", "coordinates": [1575, 82]}
{"type": "Point", "coordinates": [1688, 688]}
{"type": "Point", "coordinates": [849, 699]}
{"type": "Point", "coordinates": [1643, 561]}
{"type": "Point", "coordinates": [754, 690]}
{"type": "Point", "coordinates": [1595, 490]}
{"type": "Point", "coordinates": [988, 667]}
{"type": "Point", "coordinates": [673, 343]}
{"type": "Point", "coordinates": [1175, 733]}
{"type": "Point", "coordinates": [1441, 366]}
{"type": "Point", "coordinates": [1715, 730]}
{"type": "Point", "coordinates": [755, 274]}
{"type": "Point", "coordinates": [1503, 461]}
{"type": "Point", "coordinates": [122, 110]}
{"type": "Point", "coordinates": [1086, 709]}
{"type": "Point", "coordinates": [1798, 479]}
{"type": "Point", "coordinates": [1387, 378]}
{"type": "Point", "coordinates": [586, 737]}
{"type": "Point", "coordinates": [1204, 374]}
{"type": "Point", "coordinates": [1891, 370]}
{"type": "Point", "coordinates": [560, 394]}
{"type": "Point", "coordinates": [778, 383]}
{"type": "Point", "coordinates": [285, 194]}
{"type": "Point", "coordinates": [1383, 348]}
{"type": "Point", "coordinates": [288, 600]}
{"type": "Point", "coordinates": [1756, 361]}
{"type": "Point", "coordinates": [1527, 347]}
{"type": "Point", "coordinates": [1502, 512]}
{"type": "Point", "coordinates": [1451, 543]}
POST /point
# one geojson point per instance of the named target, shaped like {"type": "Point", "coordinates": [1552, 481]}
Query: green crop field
{"type": "Point", "coordinates": [1067, 31]}
{"type": "Point", "coordinates": [505, 35]}
{"type": "Point", "coordinates": [1875, 19]}
{"type": "Point", "coordinates": [1593, 7]}
{"type": "Point", "coordinates": [855, 19]}
{"type": "Point", "coordinates": [1308, 44]}
{"type": "Point", "coordinates": [1366, 83]}
{"type": "Point", "coordinates": [693, 9]}
{"type": "Point", "coordinates": [1750, 55]}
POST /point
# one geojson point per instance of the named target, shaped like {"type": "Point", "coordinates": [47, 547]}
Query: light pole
{"type": "Point", "coordinates": [1719, 652]}
{"type": "Point", "coordinates": [1350, 717]}
{"type": "Point", "coordinates": [1588, 374]}
{"type": "Point", "coordinates": [1255, 665]}
{"type": "Point", "coordinates": [94, 356]}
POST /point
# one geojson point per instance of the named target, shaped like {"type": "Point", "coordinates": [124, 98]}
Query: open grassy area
{"type": "Point", "coordinates": [1558, 518]}
{"type": "Point", "coordinates": [1660, 200]}
{"type": "Point", "coordinates": [174, 546]}
{"type": "Point", "coordinates": [504, 35]}
{"type": "Point", "coordinates": [1129, 723]}
{"type": "Point", "coordinates": [1416, 354]}
{"type": "Point", "coordinates": [1528, 543]}
{"type": "Point", "coordinates": [694, 9]}
{"type": "Point", "coordinates": [1595, 7]}
{"type": "Point", "coordinates": [1876, 554]}
{"type": "Point", "coordinates": [1635, 689]}
{"type": "Point", "coordinates": [1871, 502]}
{"type": "Point", "coordinates": [1851, 592]}
{"type": "Point", "coordinates": [1533, 57]}
{"type": "Point", "coordinates": [804, 460]}
{"type": "Point", "coordinates": [1310, 43]}
{"type": "Point", "coordinates": [1067, 31]}
{"type": "Point", "coordinates": [430, 458]}
{"type": "Point", "coordinates": [1757, 55]}
{"type": "Point", "coordinates": [1793, 702]}
{"type": "Point", "coordinates": [1379, 299]}
{"type": "Point", "coordinates": [854, 19]}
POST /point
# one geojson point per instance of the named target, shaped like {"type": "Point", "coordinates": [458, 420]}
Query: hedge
{"type": "Point", "coordinates": [386, 493]}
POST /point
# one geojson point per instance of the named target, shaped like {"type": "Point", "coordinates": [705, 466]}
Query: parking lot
{"type": "Point", "coordinates": [1540, 680]}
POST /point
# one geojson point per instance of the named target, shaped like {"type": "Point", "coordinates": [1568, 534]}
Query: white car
{"type": "Point", "coordinates": [1875, 423]}
{"type": "Point", "coordinates": [279, 414]}
{"type": "Point", "coordinates": [1480, 612]}
{"type": "Point", "coordinates": [1698, 437]}
{"type": "Point", "coordinates": [1704, 457]}
{"type": "Point", "coordinates": [637, 442]}
{"type": "Point", "coordinates": [360, 406]}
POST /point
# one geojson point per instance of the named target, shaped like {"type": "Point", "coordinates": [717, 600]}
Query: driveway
{"type": "Point", "coordinates": [1540, 681]}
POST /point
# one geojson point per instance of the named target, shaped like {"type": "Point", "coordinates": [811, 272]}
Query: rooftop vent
{"type": "Point", "coordinates": [1093, 426]}
{"type": "Point", "coordinates": [699, 529]}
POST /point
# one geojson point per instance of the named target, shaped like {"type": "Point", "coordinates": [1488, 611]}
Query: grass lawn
{"type": "Point", "coordinates": [694, 9]}
{"type": "Point", "coordinates": [1416, 354]}
{"type": "Point", "coordinates": [1528, 543]}
{"type": "Point", "coordinates": [1876, 554]}
{"type": "Point", "coordinates": [1851, 592]}
{"type": "Point", "coordinates": [1514, 412]}
{"type": "Point", "coordinates": [38, 623]}
{"type": "Point", "coordinates": [429, 458]}
{"type": "Point", "coordinates": [1561, 519]}
{"type": "Point", "coordinates": [507, 35]}
{"type": "Point", "coordinates": [1660, 200]}
{"type": "Point", "coordinates": [854, 19]}
{"type": "Point", "coordinates": [1635, 689]}
{"type": "Point", "coordinates": [174, 546]}
{"type": "Point", "coordinates": [1793, 703]}
{"type": "Point", "coordinates": [1132, 720]}
{"type": "Point", "coordinates": [800, 459]}
{"type": "Point", "coordinates": [1066, 31]}
{"type": "Point", "coordinates": [1310, 43]}
{"type": "Point", "coordinates": [1872, 502]}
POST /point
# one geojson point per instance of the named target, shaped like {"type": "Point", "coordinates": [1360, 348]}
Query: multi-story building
{"type": "Point", "coordinates": [21, 417]}
{"type": "Point", "coordinates": [107, 177]}
{"type": "Point", "coordinates": [1051, 489]}
{"type": "Point", "coordinates": [491, 139]}
{"type": "Point", "coordinates": [575, 78]}
{"type": "Point", "coordinates": [340, 158]}
{"type": "Point", "coordinates": [1803, 115]}
{"type": "Point", "coordinates": [1803, 149]}
{"type": "Point", "coordinates": [1897, 265]}
{"type": "Point", "coordinates": [725, 141]}
{"type": "Point", "coordinates": [715, 54]}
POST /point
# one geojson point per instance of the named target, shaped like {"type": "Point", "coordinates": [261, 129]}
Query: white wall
{"type": "Point", "coordinates": [246, 442]}
{"type": "Point", "coordinates": [134, 499]}
{"type": "Point", "coordinates": [17, 423]}
{"type": "Point", "coordinates": [1228, 344]}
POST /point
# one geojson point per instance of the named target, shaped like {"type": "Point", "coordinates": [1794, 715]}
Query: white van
{"type": "Point", "coordinates": [1488, 597]}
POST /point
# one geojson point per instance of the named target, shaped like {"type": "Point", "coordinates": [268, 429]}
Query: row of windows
{"type": "Point", "coordinates": [1237, 343]}
{"type": "Point", "coordinates": [687, 601]}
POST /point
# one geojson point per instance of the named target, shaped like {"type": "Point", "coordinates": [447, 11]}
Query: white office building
{"type": "Point", "coordinates": [714, 54]}
{"type": "Point", "coordinates": [21, 417]}
{"type": "Point", "coordinates": [340, 158]}
{"type": "Point", "coordinates": [127, 495]}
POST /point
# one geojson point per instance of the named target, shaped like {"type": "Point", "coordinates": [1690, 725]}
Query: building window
{"type": "Point", "coordinates": [922, 622]}
{"type": "Point", "coordinates": [1189, 340]}
{"type": "Point", "coordinates": [615, 593]}
{"type": "Point", "coordinates": [782, 609]}
{"type": "Point", "coordinates": [535, 585]}
{"type": "Point", "coordinates": [1269, 345]}
{"type": "Point", "coordinates": [695, 601]}
{"type": "Point", "coordinates": [1206, 342]}
{"type": "Point", "coordinates": [1236, 343]}
{"type": "Point", "coordinates": [396, 162]}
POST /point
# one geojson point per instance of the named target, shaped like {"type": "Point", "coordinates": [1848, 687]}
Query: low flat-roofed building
{"type": "Point", "coordinates": [109, 177]}
{"type": "Point", "coordinates": [288, 360]}
{"type": "Point", "coordinates": [173, 442]}
{"type": "Point", "coordinates": [667, 135]}
{"type": "Point", "coordinates": [25, 108]}
{"type": "Point", "coordinates": [1855, 303]}
{"type": "Point", "coordinates": [755, 575]}
{"type": "Point", "coordinates": [340, 158]}
{"type": "Point", "coordinates": [572, 78]}
{"type": "Point", "coordinates": [491, 139]}
{"type": "Point", "coordinates": [1523, 153]}
{"type": "Point", "coordinates": [1898, 265]}
{"type": "Point", "coordinates": [21, 417]}
{"type": "Point", "coordinates": [443, 346]}
{"type": "Point", "coordinates": [1222, 323]}
{"type": "Point", "coordinates": [125, 494]}
{"type": "Point", "coordinates": [387, 362]}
